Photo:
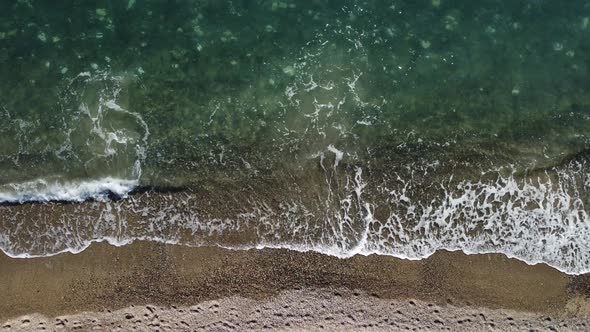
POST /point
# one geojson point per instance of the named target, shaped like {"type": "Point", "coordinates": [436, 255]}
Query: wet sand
{"type": "Point", "coordinates": [104, 285]}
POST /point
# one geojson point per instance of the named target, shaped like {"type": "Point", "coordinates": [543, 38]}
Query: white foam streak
{"type": "Point", "coordinates": [76, 191]}
{"type": "Point", "coordinates": [110, 240]}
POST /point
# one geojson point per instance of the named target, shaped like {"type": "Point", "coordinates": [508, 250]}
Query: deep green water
{"type": "Point", "coordinates": [277, 102]}
{"type": "Point", "coordinates": [222, 82]}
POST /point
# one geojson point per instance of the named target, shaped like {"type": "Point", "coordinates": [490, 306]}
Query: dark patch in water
{"type": "Point", "coordinates": [580, 285]}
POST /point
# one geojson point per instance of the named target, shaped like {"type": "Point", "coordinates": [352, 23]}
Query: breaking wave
{"type": "Point", "coordinates": [79, 191]}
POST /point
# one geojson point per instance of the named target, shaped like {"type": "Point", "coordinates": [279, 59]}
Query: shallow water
{"type": "Point", "coordinates": [391, 127]}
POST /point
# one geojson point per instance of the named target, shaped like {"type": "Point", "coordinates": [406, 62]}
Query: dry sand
{"type": "Point", "coordinates": [148, 286]}
{"type": "Point", "coordinates": [301, 310]}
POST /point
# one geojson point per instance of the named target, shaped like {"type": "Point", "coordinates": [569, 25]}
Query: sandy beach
{"type": "Point", "coordinates": [149, 286]}
{"type": "Point", "coordinates": [183, 134]}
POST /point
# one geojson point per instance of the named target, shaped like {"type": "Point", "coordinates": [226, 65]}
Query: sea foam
{"type": "Point", "coordinates": [42, 190]}
{"type": "Point", "coordinates": [539, 218]}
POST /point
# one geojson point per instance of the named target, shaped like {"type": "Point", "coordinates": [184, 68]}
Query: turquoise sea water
{"type": "Point", "coordinates": [391, 127]}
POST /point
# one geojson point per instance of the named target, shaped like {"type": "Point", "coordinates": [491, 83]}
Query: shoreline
{"type": "Point", "coordinates": [118, 244]}
{"type": "Point", "coordinates": [104, 277]}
